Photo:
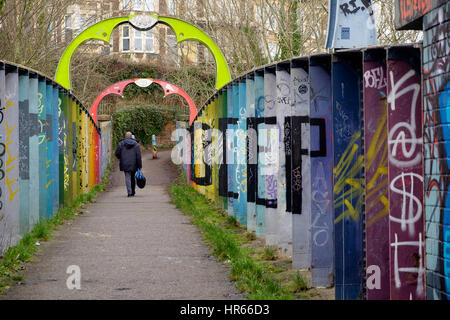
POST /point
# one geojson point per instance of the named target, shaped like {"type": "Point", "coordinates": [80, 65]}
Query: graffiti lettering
{"type": "Point", "coordinates": [410, 9]}
{"type": "Point", "coordinates": [297, 179]}
{"type": "Point", "coordinates": [405, 180]}
{"type": "Point", "coordinates": [437, 152]}
{"type": "Point", "coordinates": [374, 277]}
{"type": "Point", "coordinates": [2, 153]}
{"type": "Point", "coordinates": [404, 133]}
{"type": "Point", "coordinates": [343, 128]}
{"type": "Point", "coordinates": [418, 264]}
{"type": "Point", "coordinates": [375, 78]}
{"type": "Point", "coordinates": [352, 7]}
{"type": "Point", "coordinates": [345, 174]}
{"type": "Point", "coordinates": [42, 125]}
{"type": "Point", "coordinates": [379, 171]}
{"type": "Point", "coordinates": [413, 214]}
{"type": "Point", "coordinates": [61, 128]}
{"type": "Point", "coordinates": [11, 159]}
{"type": "Point", "coordinates": [320, 197]}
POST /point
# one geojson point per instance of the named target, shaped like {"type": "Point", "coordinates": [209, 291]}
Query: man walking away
{"type": "Point", "coordinates": [129, 154]}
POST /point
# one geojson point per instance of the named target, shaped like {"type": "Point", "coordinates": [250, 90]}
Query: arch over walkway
{"type": "Point", "coordinates": [168, 88]}
{"type": "Point", "coordinates": [102, 31]}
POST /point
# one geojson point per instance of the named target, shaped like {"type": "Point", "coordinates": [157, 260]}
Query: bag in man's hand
{"type": "Point", "coordinates": [140, 179]}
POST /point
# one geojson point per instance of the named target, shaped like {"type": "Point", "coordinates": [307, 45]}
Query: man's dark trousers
{"type": "Point", "coordinates": [130, 181]}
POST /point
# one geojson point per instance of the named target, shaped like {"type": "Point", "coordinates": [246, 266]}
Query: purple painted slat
{"type": "Point", "coordinates": [406, 228]}
{"type": "Point", "coordinates": [321, 152]}
{"type": "Point", "coordinates": [376, 175]}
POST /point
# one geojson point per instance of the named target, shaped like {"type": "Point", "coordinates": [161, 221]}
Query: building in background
{"type": "Point", "coordinates": [125, 40]}
{"type": "Point", "coordinates": [222, 20]}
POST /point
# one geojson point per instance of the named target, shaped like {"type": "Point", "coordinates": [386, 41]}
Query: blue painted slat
{"type": "Point", "coordinates": [3, 243]}
{"type": "Point", "coordinates": [34, 151]}
{"type": "Point", "coordinates": [348, 195]}
{"type": "Point", "coordinates": [55, 154]}
{"type": "Point", "coordinates": [251, 153]}
{"type": "Point", "coordinates": [49, 164]}
{"type": "Point", "coordinates": [283, 113]}
{"type": "Point", "coordinates": [230, 150]}
{"type": "Point", "coordinates": [42, 117]}
{"type": "Point", "coordinates": [242, 153]}
{"type": "Point", "coordinates": [270, 164]}
{"type": "Point", "coordinates": [235, 171]}
{"type": "Point", "coordinates": [24, 153]}
{"type": "Point", "coordinates": [322, 272]}
{"type": "Point", "coordinates": [11, 159]}
{"type": "Point", "coordinates": [261, 181]}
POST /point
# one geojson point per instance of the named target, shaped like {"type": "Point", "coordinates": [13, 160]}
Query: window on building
{"type": "Point", "coordinates": [221, 5]}
{"type": "Point", "coordinates": [171, 40]}
{"type": "Point", "coordinates": [272, 50]}
{"type": "Point", "coordinates": [68, 28]}
{"type": "Point", "coordinates": [252, 12]}
{"type": "Point", "coordinates": [81, 23]}
{"type": "Point", "coordinates": [191, 4]}
{"type": "Point", "coordinates": [260, 14]}
{"type": "Point", "coordinates": [125, 38]}
{"type": "Point", "coordinates": [272, 23]}
{"type": "Point", "coordinates": [68, 22]}
{"type": "Point", "coordinates": [106, 49]}
{"type": "Point", "coordinates": [149, 41]}
{"type": "Point", "coordinates": [126, 5]}
{"type": "Point", "coordinates": [149, 5]}
{"type": "Point", "coordinates": [137, 40]}
{"type": "Point", "coordinates": [137, 5]}
{"type": "Point", "coordinates": [92, 18]}
{"type": "Point", "coordinates": [172, 46]}
{"type": "Point", "coordinates": [172, 7]}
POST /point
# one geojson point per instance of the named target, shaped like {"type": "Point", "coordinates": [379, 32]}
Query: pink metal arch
{"type": "Point", "coordinates": [168, 88]}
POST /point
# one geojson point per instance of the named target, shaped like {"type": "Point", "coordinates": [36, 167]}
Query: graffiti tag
{"type": "Point", "coordinates": [354, 6]}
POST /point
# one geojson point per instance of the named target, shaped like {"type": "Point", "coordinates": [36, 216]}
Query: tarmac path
{"type": "Point", "coordinates": [140, 247]}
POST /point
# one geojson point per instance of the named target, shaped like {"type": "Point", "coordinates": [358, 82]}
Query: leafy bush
{"type": "Point", "coordinates": [143, 122]}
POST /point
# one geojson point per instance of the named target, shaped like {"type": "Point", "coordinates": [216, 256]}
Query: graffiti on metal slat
{"type": "Point", "coordinates": [11, 159]}
{"type": "Point", "coordinates": [404, 133]}
{"type": "Point", "coordinates": [375, 78]}
{"type": "Point", "coordinates": [2, 153]}
{"type": "Point", "coordinates": [205, 144]}
{"type": "Point", "coordinates": [376, 179]}
{"type": "Point", "coordinates": [42, 124]}
{"type": "Point", "coordinates": [348, 185]}
{"type": "Point", "coordinates": [60, 127]}
{"type": "Point", "coordinates": [353, 6]}
{"type": "Point", "coordinates": [321, 192]}
{"type": "Point", "coordinates": [415, 8]}
{"type": "Point", "coordinates": [320, 197]}
{"type": "Point", "coordinates": [436, 150]}
{"type": "Point", "coordinates": [406, 183]}
{"type": "Point", "coordinates": [74, 146]}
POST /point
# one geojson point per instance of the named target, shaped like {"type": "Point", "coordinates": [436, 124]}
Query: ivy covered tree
{"type": "Point", "coordinates": [143, 122]}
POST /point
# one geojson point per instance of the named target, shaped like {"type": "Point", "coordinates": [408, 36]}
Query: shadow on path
{"type": "Point", "coordinates": [129, 248]}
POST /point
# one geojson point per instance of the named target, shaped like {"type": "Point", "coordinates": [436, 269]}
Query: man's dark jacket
{"type": "Point", "coordinates": [129, 154]}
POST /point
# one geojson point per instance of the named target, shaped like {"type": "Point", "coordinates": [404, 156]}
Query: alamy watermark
{"type": "Point", "coordinates": [235, 146]}
{"type": "Point", "coordinates": [74, 279]}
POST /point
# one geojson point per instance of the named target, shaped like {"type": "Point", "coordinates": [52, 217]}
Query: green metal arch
{"type": "Point", "coordinates": [186, 32]}
{"type": "Point", "coordinates": [102, 31]}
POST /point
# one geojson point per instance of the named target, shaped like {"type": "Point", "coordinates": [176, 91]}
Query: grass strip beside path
{"type": "Point", "coordinates": [12, 261]}
{"type": "Point", "coordinates": [230, 245]}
